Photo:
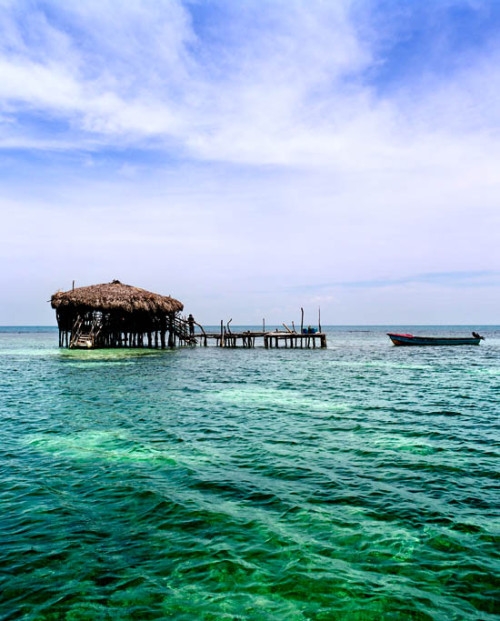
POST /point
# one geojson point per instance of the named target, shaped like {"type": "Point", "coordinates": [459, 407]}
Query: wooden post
{"type": "Point", "coordinates": [221, 333]}
{"type": "Point", "coordinates": [171, 331]}
{"type": "Point", "coordinates": [301, 320]}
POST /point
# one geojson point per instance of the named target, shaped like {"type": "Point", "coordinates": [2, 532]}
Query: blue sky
{"type": "Point", "coordinates": [252, 157]}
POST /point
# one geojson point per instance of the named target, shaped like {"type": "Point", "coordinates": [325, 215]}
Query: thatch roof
{"type": "Point", "coordinates": [115, 296]}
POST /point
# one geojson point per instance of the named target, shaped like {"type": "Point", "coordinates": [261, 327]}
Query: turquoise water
{"type": "Point", "coordinates": [359, 482]}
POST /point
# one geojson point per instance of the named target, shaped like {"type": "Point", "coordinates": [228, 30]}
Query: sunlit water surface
{"type": "Point", "coordinates": [358, 482]}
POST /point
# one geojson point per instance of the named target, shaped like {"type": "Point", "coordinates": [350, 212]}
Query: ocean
{"type": "Point", "coordinates": [358, 482]}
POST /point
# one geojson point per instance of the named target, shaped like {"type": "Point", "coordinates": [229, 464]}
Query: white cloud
{"type": "Point", "coordinates": [289, 94]}
{"type": "Point", "coordinates": [267, 158]}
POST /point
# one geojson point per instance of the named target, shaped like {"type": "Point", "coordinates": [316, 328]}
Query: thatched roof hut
{"type": "Point", "coordinates": [115, 315]}
{"type": "Point", "coordinates": [115, 296]}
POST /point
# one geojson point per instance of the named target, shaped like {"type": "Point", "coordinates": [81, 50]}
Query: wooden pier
{"type": "Point", "coordinates": [294, 340]}
{"type": "Point", "coordinates": [274, 339]}
{"type": "Point", "coordinates": [229, 339]}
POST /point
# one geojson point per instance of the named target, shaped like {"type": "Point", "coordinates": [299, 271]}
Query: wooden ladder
{"type": "Point", "coordinates": [84, 340]}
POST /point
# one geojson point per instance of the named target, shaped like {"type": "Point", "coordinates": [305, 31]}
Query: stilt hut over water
{"type": "Point", "coordinates": [117, 315]}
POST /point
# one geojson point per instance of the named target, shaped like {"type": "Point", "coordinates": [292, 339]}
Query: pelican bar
{"type": "Point", "coordinates": [118, 315]}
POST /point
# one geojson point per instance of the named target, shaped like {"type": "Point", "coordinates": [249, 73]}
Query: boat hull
{"type": "Point", "coordinates": [408, 340]}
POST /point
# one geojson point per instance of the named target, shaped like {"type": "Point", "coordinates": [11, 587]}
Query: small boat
{"type": "Point", "coordinates": [410, 339]}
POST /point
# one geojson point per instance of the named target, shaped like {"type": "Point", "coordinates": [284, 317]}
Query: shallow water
{"type": "Point", "coordinates": [358, 482]}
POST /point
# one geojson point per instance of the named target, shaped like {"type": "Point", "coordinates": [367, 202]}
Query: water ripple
{"type": "Point", "coordinates": [355, 483]}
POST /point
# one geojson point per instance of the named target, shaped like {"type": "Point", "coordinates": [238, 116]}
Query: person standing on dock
{"type": "Point", "coordinates": [191, 324]}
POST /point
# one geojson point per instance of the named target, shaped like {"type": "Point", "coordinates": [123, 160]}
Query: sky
{"type": "Point", "coordinates": [254, 157]}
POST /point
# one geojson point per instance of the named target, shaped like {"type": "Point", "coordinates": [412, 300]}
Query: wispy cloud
{"type": "Point", "coordinates": [285, 86]}
{"type": "Point", "coordinates": [258, 145]}
{"type": "Point", "coordinates": [461, 280]}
